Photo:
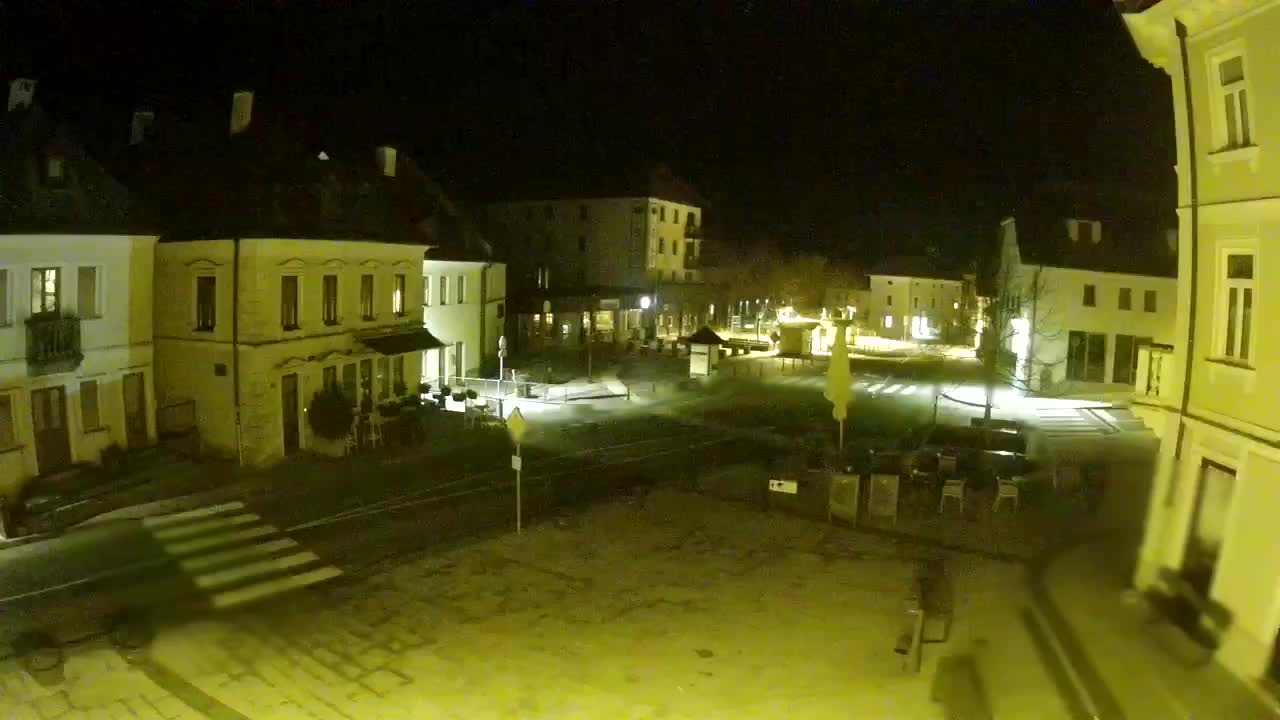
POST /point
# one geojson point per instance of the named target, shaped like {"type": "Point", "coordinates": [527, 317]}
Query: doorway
{"type": "Point", "coordinates": [289, 411]}
{"type": "Point", "coordinates": [49, 425]}
{"type": "Point", "coordinates": [135, 411]}
{"type": "Point", "coordinates": [1208, 525]}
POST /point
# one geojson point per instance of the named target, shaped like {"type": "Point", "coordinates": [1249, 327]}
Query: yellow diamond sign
{"type": "Point", "coordinates": [517, 426]}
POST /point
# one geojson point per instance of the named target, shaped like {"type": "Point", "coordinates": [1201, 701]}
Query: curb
{"type": "Point", "coordinates": [1086, 693]}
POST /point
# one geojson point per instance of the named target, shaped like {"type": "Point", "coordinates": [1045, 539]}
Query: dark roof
{"type": "Point", "coordinates": [86, 199]}
{"type": "Point", "coordinates": [1123, 248]}
{"type": "Point", "coordinates": [915, 266]}
{"type": "Point", "coordinates": [705, 336]}
{"type": "Point", "coordinates": [656, 182]}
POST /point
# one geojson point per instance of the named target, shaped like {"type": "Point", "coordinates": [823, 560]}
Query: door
{"type": "Point", "coordinates": [49, 424]}
{"type": "Point", "coordinates": [135, 410]}
{"type": "Point", "coordinates": [289, 412]}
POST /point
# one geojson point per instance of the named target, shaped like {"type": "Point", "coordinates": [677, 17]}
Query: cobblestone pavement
{"type": "Point", "coordinates": [668, 605]}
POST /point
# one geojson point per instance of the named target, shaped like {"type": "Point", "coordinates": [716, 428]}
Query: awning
{"type": "Point", "coordinates": [403, 342]}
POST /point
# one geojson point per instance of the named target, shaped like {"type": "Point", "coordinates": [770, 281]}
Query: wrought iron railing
{"type": "Point", "coordinates": [53, 340]}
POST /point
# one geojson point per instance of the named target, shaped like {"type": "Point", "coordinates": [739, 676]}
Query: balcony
{"type": "Point", "coordinates": [53, 344]}
{"type": "Point", "coordinates": [692, 232]}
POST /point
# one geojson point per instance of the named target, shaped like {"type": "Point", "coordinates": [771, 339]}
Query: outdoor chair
{"type": "Point", "coordinates": [952, 488]}
{"type": "Point", "coordinates": [375, 430]}
{"type": "Point", "coordinates": [351, 444]}
{"type": "Point", "coordinates": [1006, 489]}
{"type": "Point", "coordinates": [946, 465]}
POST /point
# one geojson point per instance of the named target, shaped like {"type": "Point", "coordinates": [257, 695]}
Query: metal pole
{"type": "Point", "coordinates": [499, 391]}
{"type": "Point", "coordinates": [519, 467]}
{"type": "Point", "coordinates": [841, 446]}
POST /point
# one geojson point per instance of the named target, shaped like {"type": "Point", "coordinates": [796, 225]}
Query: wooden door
{"type": "Point", "coordinates": [49, 425]}
{"type": "Point", "coordinates": [289, 412]}
{"type": "Point", "coordinates": [135, 410]}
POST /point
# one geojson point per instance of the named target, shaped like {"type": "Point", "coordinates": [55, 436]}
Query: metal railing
{"type": "Point", "coordinates": [53, 339]}
{"type": "Point", "coordinates": [517, 388]}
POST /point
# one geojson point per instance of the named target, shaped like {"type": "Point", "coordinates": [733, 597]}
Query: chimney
{"type": "Point", "coordinates": [21, 91]}
{"type": "Point", "coordinates": [387, 160]}
{"type": "Point", "coordinates": [142, 119]}
{"type": "Point", "coordinates": [241, 111]}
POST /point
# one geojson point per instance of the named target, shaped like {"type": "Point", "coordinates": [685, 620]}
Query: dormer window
{"type": "Point", "coordinates": [1084, 231]}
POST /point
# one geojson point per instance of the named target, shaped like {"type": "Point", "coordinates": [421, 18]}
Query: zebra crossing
{"type": "Point", "coordinates": [1070, 423]}
{"type": "Point", "coordinates": [232, 557]}
{"type": "Point", "coordinates": [872, 387]}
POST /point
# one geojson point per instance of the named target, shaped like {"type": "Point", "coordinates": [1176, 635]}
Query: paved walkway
{"type": "Point", "coordinates": [1129, 666]}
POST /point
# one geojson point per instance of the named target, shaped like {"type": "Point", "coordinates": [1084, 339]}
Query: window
{"type": "Point", "coordinates": [87, 292]}
{"type": "Point", "coordinates": [397, 375]}
{"type": "Point", "coordinates": [1086, 356]}
{"type": "Point", "coordinates": [675, 216]}
{"type": "Point", "coordinates": [90, 417]}
{"type": "Point", "coordinates": [8, 437]}
{"type": "Point", "coordinates": [1084, 232]}
{"type": "Point", "coordinates": [460, 360]}
{"type": "Point", "coordinates": [329, 299]}
{"type": "Point", "coordinates": [691, 219]}
{"type": "Point", "coordinates": [1126, 298]}
{"type": "Point", "coordinates": [502, 310]}
{"type": "Point", "coordinates": [206, 302]}
{"type": "Point", "coordinates": [1125, 366]}
{"type": "Point", "coordinates": [444, 289]}
{"type": "Point", "coordinates": [289, 302]}
{"type": "Point", "coordinates": [915, 302]}
{"type": "Point", "coordinates": [384, 378]}
{"type": "Point", "coordinates": [5, 317]}
{"type": "Point", "coordinates": [662, 214]}
{"type": "Point", "coordinates": [888, 321]}
{"type": "Point", "coordinates": [329, 377]}
{"type": "Point", "coordinates": [1234, 113]}
{"type": "Point", "coordinates": [462, 289]}
{"type": "Point", "coordinates": [349, 388]}
{"type": "Point", "coordinates": [54, 170]}
{"type": "Point", "coordinates": [1208, 525]}
{"type": "Point", "coordinates": [426, 290]}
{"type": "Point", "coordinates": [582, 212]}
{"type": "Point", "coordinates": [397, 295]}
{"type": "Point", "coordinates": [582, 243]}
{"type": "Point", "coordinates": [1237, 306]}
{"type": "Point", "coordinates": [1149, 301]}
{"type": "Point", "coordinates": [688, 276]}
{"type": "Point", "coordinates": [690, 249]}
{"type": "Point", "coordinates": [1090, 295]}
{"type": "Point", "coordinates": [888, 300]}
{"type": "Point", "coordinates": [45, 290]}
{"type": "Point", "coordinates": [366, 297]}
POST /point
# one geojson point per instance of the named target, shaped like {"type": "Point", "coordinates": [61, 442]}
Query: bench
{"type": "Point", "coordinates": [929, 611]}
{"type": "Point", "coordinates": [1199, 618]}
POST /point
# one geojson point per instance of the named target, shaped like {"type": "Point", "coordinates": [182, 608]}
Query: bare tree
{"type": "Point", "coordinates": [1018, 322]}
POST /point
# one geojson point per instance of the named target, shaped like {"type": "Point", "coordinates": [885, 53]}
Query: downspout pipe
{"type": "Point", "coordinates": [235, 345]}
{"type": "Point", "coordinates": [1194, 189]}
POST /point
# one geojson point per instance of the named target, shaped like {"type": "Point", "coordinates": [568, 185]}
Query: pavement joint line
{"type": "Point", "coordinates": [186, 692]}
{"type": "Point", "coordinates": [173, 533]}
{"type": "Point", "coordinates": [155, 521]}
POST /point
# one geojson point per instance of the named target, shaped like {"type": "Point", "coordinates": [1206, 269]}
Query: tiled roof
{"type": "Point", "coordinates": [915, 266]}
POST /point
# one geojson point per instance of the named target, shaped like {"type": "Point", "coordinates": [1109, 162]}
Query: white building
{"type": "Point", "coordinates": [273, 290]}
{"type": "Point", "coordinates": [910, 298]}
{"type": "Point", "coordinates": [75, 304]}
{"type": "Point", "coordinates": [464, 306]}
{"type": "Point", "coordinates": [1082, 296]}
{"type": "Point", "coordinates": [1210, 533]}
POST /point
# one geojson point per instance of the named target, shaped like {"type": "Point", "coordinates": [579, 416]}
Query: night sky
{"type": "Point", "coordinates": [846, 128]}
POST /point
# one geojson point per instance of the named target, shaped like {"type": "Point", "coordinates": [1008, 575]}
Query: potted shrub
{"type": "Point", "coordinates": [399, 388]}
{"type": "Point", "coordinates": [330, 416]}
{"type": "Point", "coordinates": [424, 390]}
{"type": "Point", "coordinates": [459, 395]}
{"type": "Point", "coordinates": [443, 396]}
{"type": "Point", "coordinates": [471, 394]}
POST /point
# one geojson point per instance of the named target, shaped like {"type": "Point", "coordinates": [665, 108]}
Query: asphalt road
{"type": "Point", "coordinates": [233, 553]}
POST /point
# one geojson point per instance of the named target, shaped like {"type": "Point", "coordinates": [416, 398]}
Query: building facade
{"type": "Point", "coordinates": [76, 370]}
{"type": "Point", "coordinates": [614, 269]}
{"type": "Point", "coordinates": [1082, 302]}
{"type": "Point", "coordinates": [911, 299]}
{"type": "Point", "coordinates": [464, 307]}
{"type": "Point", "coordinates": [1211, 396]}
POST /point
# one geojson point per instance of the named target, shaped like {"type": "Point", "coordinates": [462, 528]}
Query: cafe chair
{"type": "Point", "coordinates": [1006, 489]}
{"type": "Point", "coordinates": [952, 488]}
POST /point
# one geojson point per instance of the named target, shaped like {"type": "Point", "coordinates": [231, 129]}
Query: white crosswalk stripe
{"type": "Point", "coordinates": [233, 557]}
{"type": "Point", "coordinates": [1069, 422]}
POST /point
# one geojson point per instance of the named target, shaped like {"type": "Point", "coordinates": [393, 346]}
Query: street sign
{"type": "Point", "coordinates": [517, 426]}
{"type": "Point", "coordinates": [515, 462]}
{"type": "Point", "coordinates": [789, 487]}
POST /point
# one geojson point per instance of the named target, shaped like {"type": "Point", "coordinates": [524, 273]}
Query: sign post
{"type": "Point", "coordinates": [517, 426]}
{"type": "Point", "coordinates": [502, 354]}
